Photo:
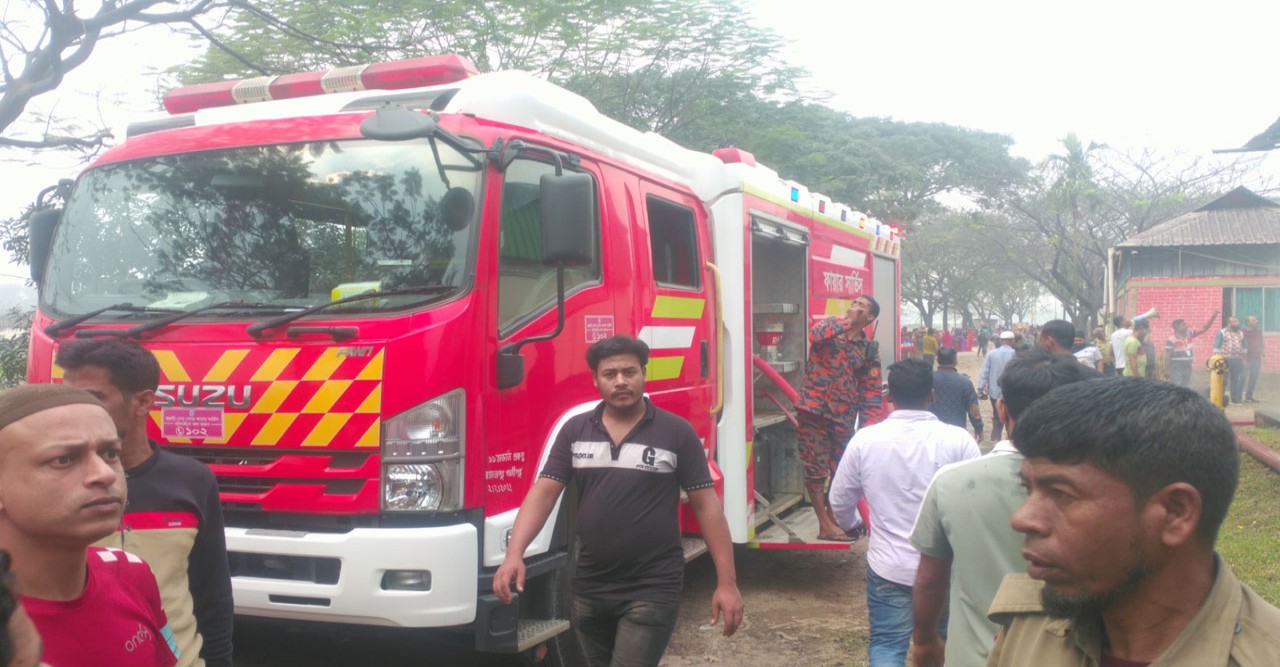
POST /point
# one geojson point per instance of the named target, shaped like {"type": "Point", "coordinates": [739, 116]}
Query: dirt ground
{"type": "Point", "coordinates": [803, 607]}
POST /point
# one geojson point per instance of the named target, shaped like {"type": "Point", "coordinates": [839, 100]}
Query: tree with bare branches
{"type": "Point", "coordinates": [42, 40]}
{"type": "Point", "coordinates": [1058, 228]}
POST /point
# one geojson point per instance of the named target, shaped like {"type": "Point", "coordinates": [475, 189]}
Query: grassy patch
{"type": "Point", "coordinates": [1267, 436]}
{"type": "Point", "coordinates": [1250, 536]}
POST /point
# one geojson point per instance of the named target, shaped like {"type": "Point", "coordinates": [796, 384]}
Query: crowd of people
{"type": "Point", "coordinates": [1128, 350]}
{"type": "Point", "coordinates": [1084, 536]}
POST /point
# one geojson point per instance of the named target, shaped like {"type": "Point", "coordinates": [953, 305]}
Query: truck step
{"type": "Point", "coordinates": [534, 631]}
{"type": "Point", "coordinates": [693, 547]}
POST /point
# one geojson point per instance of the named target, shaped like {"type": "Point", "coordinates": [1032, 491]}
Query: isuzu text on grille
{"type": "Point", "coordinates": [204, 396]}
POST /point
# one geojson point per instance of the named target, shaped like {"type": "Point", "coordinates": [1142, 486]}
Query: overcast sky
{"type": "Point", "coordinates": [1174, 76]}
{"type": "Point", "coordinates": [1168, 75]}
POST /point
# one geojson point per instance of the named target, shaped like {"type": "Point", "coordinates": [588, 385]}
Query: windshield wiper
{"type": "Point", "coordinates": [58, 327]}
{"type": "Point", "coordinates": [180, 315]}
{"type": "Point", "coordinates": [256, 330]}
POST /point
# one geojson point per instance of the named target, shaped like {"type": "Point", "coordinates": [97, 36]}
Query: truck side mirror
{"type": "Point", "coordinates": [568, 239]}
{"type": "Point", "coordinates": [568, 210]}
{"type": "Point", "coordinates": [40, 225]}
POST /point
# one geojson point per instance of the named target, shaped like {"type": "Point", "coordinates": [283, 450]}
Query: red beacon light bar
{"type": "Point", "coordinates": [395, 75]}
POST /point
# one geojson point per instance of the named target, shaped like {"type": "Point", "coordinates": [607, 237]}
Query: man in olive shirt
{"type": "Point", "coordinates": [1128, 483]}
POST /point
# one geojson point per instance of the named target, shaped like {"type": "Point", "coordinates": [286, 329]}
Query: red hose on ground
{"type": "Point", "coordinates": [1264, 454]}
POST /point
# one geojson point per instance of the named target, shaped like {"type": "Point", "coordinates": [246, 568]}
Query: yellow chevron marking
{"type": "Point", "coordinates": [274, 396]}
{"type": "Point", "coordinates": [325, 366]}
{"type": "Point", "coordinates": [371, 437]}
{"type": "Point", "coordinates": [664, 368]}
{"type": "Point", "coordinates": [231, 422]}
{"type": "Point", "coordinates": [372, 404]}
{"type": "Point", "coordinates": [274, 429]}
{"type": "Point", "coordinates": [325, 431]}
{"type": "Point", "coordinates": [55, 371]}
{"type": "Point", "coordinates": [373, 371]}
{"type": "Point", "coordinates": [838, 307]}
{"type": "Point", "coordinates": [274, 365]}
{"type": "Point", "coordinates": [226, 363]}
{"type": "Point", "coordinates": [326, 396]}
{"type": "Point", "coordinates": [170, 366]}
{"type": "Point", "coordinates": [678, 307]}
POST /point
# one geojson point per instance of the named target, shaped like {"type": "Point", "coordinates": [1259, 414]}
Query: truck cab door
{"type": "Point", "coordinates": [677, 312]}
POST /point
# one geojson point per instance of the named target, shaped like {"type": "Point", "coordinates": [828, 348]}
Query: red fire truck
{"type": "Point", "coordinates": [370, 291]}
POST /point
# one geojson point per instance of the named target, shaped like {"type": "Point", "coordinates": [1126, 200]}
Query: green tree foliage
{"type": "Point", "coordinates": [657, 65]}
{"type": "Point", "coordinates": [948, 269]}
{"type": "Point", "coordinates": [893, 170]}
{"type": "Point", "coordinates": [13, 347]}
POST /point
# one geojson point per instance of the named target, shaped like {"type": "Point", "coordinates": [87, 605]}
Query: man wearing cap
{"type": "Point", "coordinates": [62, 487]}
{"type": "Point", "coordinates": [174, 518]}
{"type": "Point", "coordinates": [989, 378]}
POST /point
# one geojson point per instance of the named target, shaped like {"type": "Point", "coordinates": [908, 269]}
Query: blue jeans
{"type": "Point", "coordinates": [889, 611]}
{"type": "Point", "coordinates": [623, 633]}
{"type": "Point", "coordinates": [1255, 369]}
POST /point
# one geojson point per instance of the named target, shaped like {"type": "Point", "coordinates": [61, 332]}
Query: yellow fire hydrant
{"type": "Point", "coordinates": [1217, 379]}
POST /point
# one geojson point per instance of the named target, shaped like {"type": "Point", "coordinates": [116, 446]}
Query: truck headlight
{"type": "Point", "coordinates": [423, 455]}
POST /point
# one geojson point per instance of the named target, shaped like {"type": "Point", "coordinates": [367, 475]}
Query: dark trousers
{"type": "Point", "coordinates": [623, 633]}
{"type": "Point", "coordinates": [997, 426]}
{"type": "Point", "coordinates": [1235, 375]}
{"type": "Point", "coordinates": [1255, 369]}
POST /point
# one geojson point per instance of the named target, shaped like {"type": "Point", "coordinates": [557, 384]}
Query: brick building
{"type": "Point", "coordinates": [1222, 256]}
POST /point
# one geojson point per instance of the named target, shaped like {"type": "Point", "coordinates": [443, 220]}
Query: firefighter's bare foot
{"type": "Point", "coordinates": [829, 531]}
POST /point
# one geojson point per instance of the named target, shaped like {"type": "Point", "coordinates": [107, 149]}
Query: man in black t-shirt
{"type": "Point", "coordinates": [631, 459]}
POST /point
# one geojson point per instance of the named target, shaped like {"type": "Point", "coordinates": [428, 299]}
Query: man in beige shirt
{"type": "Point", "coordinates": [1128, 482]}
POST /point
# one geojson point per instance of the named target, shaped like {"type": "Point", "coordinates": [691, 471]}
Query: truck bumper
{"type": "Point", "coordinates": [338, 577]}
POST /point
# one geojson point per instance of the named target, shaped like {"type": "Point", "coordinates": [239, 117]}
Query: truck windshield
{"type": "Point", "coordinates": [293, 225]}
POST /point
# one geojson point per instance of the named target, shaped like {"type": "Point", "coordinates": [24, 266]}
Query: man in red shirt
{"type": "Point", "coordinates": [841, 383]}
{"type": "Point", "coordinates": [62, 488]}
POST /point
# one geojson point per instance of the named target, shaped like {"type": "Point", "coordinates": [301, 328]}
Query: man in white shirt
{"type": "Point", "coordinates": [989, 378]}
{"type": "Point", "coordinates": [1124, 329]}
{"type": "Point", "coordinates": [891, 465]}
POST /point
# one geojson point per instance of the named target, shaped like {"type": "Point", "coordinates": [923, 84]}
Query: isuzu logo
{"type": "Point", "coordinates": [204, 396]}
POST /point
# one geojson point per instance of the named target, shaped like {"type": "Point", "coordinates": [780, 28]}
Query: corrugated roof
{"type": "Point", "coordinates": [1239, 217]}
